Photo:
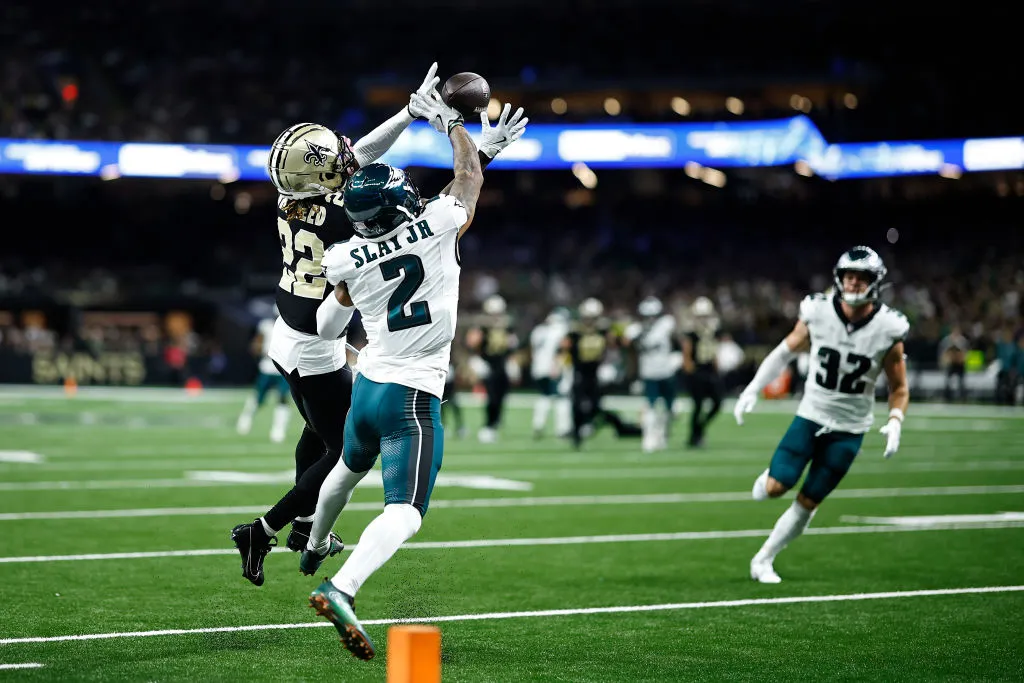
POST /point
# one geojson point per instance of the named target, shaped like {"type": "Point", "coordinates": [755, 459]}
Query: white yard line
{"type": "Point", "coordinates": [527, 501]}
{"type": "Point", "coordinates": [488, 616]}
{"type": "Point", "coordinates": [26, 665]}
{"type": "Point", "coordinates": [940, 525]}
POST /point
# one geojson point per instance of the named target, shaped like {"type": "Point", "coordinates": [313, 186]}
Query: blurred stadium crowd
{"type": "Point", "coordinates": [204, 254]}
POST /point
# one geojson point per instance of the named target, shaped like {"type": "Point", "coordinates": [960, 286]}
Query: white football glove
{"type": "Point", "coordinates": [744, 404]}
{"type": "Point", "coordinates": [508, 130]}
{"type": "Point", "coordinates": [429, 81]}
{"type": "Point", "coordinates": [438, 114]}
{"type": "Point", "coordinates": [892, 430]}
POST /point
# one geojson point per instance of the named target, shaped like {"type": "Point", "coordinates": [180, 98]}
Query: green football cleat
{"type": "Point", "coordinates": [311, 560]}
{"type": "Point", "coordinates": [339, 609]}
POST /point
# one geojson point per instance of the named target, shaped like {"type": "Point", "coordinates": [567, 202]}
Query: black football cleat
{"type": "Point", "coordinates": [298, 536]}
{"type": "Point", "coordinates": [311, 559]}
{"type": "Point", "coordinates": [253, 545]}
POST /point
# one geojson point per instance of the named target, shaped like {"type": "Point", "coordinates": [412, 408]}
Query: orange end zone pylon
{"type": "Point", "coordinates": [414, 654]}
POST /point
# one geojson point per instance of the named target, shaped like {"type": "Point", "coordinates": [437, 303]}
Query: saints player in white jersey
{"type": "Point", "coordinates": [852, 338]}
{"type": "Point", "coordinates": [653, 340]}
{"type": "Point", "coordinates": [402, 272]}
{"type": "Point", "coordinates": [546, 371]}
{"type": "Point", "coordinates": [267, 379]}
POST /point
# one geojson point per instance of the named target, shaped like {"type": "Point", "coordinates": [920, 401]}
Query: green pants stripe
{"type": "Point", "coordinates": [403, 426]}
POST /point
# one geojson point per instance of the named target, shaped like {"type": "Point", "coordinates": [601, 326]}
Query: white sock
{"type": "Point", "coordinates": [760, 490]}
{"type": "Point", "coordinates": [266, 527]}
{"type": "Point", "coordinates": [649, 424]}
{"type": "Point", "coordinates": [380, 540]}
{"type": "Point", "coordinates": [790, 525]}
{"type": "Point", "coordinates": [563, 416]}
{"type": "Point", "coordinates": [245, 418]}
{"type": "Point", "coordinates": [281, 415]}
{"type": "Point", "coordinates": [307, 518]}
{"type": "Point", "coordinates": [540, 412]}
{"type": "Point", "coordinates": [334, 495]}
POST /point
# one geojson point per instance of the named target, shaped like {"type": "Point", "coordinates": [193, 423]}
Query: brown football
{"type": "Point", "coordinates": [467, 92]}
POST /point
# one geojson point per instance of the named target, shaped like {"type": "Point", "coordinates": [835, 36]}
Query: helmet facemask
{"type": "Point", "coordinates": [380, 198]}
{"type": "Point", "coordinates": [309, 160]}
{"type": "Point", "coordinates": [865, 261]}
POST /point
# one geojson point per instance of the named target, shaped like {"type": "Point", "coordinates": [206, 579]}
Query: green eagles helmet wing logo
{"type": "Point", "coordinates": [316, 154]}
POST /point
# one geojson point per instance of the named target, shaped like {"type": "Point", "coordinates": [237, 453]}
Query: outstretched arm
{"type": "Point", "coordinates": [469, 177]}
{"type": "Point", "coordinates": [496, 138]}
{"type": "Point", "coordinates": [799, 339]}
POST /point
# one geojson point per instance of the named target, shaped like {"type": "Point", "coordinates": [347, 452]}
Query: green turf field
{"type": "Point", "coordinates": [599, 565]}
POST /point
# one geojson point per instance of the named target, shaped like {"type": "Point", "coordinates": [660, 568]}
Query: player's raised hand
{"type": "Point", "coordinates": [892, 430]}
{"type": "Point", "coordinates": [508, 130]}
{"type": "Point", "coordinates": [438, 114]}
{"type": "Point", "coordinates": [430, 82]}
{"type": "Point", "coordinates": [744, 404]}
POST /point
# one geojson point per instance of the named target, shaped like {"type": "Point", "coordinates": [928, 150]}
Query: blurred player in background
{"type": "Point", "coordinates": [700, 363]}
{"type": "Point", "coordinates": [852, 337]}
{"type": "Point", "coordinates": [493, 342]}
{"type": "Point", "coordinates": [653, 340]}
{"type": "Point", "coordinates": [402, 272]}
{"type": "Point", "coordinates": [450, 402]}
{"type": "Point", "coordinates": [546, 371]}
{"type": "Point", "coordinates": [309, 165]}
{"type": "Point", "coordinates": [267, 379]}
{"type": "Point", "coordinates": [587, 347]}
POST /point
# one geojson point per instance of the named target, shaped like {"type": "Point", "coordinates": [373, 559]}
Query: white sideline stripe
{"type": "Point", "coordinates": [525, 501]}
{"type": "Point", "coordinates": [23, 457]}
{"type": "Point", "coordinates": [26, 665]}
{"type": "Point", "coordinates": [932, 520]}
{"type": "Point", "coordinates": [557, 540]}
{"type": "Point", "coordinates": [749, 602]}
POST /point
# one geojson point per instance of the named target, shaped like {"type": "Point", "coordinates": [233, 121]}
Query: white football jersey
{"type": "Point", "coordinates": [266, 330]}
{"type": "Point", "coordinates": [545, 340]}
{"type": "Point", "coordinates": [654, 347]}
{"type": "Point", "coordinates": [406, 286]}
{"type": "Point", "coordinates": [845, 361]}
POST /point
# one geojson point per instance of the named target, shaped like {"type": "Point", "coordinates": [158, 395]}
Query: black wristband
{"type": "Point", "coordinates": [484, 159]}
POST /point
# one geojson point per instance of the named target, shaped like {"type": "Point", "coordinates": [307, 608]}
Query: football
{"type": "Point", "coordinates": [467, 92]}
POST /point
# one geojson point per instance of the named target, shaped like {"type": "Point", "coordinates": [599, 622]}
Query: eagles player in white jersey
{"type": "Point", "coordinates": [546, 370]}
{"type": "Point", "coordinates": [309, 165]}
{"type": "Point", "coordinates": [402, 272]}
{"type": "Point", "coordinates": [852, 337]}
{"type": "Point", "coordinates": [267, 379]}
{"type": "Point", "coordinates": [653, 340]}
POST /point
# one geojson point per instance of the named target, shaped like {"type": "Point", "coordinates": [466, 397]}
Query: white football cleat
{"type": "Point", "coordinates": [487, 435]}
{"type": "Point", "coordinates": [277, 435]}
{"type": "Point", "coordinates": [761, 570]}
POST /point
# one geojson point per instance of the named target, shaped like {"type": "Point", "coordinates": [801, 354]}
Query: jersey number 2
{"type": "Point", "coordinates": [851, 382]}
{"type": "Point", "coordinates": [419, 311]}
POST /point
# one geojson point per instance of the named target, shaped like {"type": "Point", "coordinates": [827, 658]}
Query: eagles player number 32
{"type": "Point", "coordinates": [851, 382]}
{"type": "Point", "coordinates": [305, 250]}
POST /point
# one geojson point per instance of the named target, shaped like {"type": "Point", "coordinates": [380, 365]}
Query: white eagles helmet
{"type": "Point", "coordinates": [650, 307]}
{"type": "Point", "coordinates": [863, 260]}
{"type": "Point", "coordinates": [494, 305]}
{"type": "Point", "coordinates": [559, 315]}
{"type": "Point", "coordinates": [308, 160]}
{"type": "Point", "coordinates": [591, 308]}
{"type": "Point", "coordinates": [702, 306]}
